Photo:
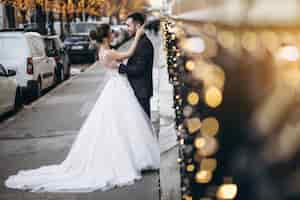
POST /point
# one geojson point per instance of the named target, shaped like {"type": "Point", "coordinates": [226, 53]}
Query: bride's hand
{"type": "Point", "coordinates": [140, 31]}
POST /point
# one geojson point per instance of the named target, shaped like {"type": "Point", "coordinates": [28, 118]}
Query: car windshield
{"type": "Point", "coordinates": [83, 27]}
{"type": "Point", "coordinates": [12, 47]}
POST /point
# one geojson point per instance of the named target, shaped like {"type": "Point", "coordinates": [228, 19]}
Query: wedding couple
{"type": "Point", "coordinates": [117, 141]}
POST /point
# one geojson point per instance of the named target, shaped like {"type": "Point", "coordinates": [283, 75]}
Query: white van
{"type": "Point", "coordinates": [10, 97]}
{"type": "Point", "coordinates": [25, 53]}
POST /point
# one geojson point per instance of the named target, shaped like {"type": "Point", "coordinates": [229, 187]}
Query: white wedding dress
{"type": "Point", "coordinates": [113, 146]}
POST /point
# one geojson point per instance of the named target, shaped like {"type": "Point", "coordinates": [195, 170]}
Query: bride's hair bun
{"type": "Point", "coordinates": [102, 32]}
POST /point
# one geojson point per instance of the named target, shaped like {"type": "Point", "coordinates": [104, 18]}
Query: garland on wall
{"type": "Point", "coordinates": [198, 92]}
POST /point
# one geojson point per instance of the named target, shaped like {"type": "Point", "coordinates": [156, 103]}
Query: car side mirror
{"type": "Point", "coordinates": [11, 73]}
{"type": "Point", "coordinates": [51, 53]}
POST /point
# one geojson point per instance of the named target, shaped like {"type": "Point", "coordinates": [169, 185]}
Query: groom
{"type": "Point", "coordinates": [139, 66]}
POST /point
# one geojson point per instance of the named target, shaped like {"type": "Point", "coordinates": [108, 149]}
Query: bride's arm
{"type": "Point", "coordinates": [116, 55]}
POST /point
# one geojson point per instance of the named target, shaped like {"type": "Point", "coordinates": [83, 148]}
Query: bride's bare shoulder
{"type": "Point", "coordinates": [112, 54]}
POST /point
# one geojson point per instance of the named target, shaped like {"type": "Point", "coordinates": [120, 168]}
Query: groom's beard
{"type": "Point", "coordinates": [131, 35]}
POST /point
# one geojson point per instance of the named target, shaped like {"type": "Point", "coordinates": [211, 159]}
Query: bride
{"type": "Point", "coordinates": [115, 143]}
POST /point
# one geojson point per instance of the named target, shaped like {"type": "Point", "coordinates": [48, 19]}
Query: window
{"type": "Point", "coordinates": [83, 27]}
{"type": "Point", "coordinates": [50, 45]}
{"type": "Point", "coordinates": [37, 46]}
{"type": "Point", "coordinates": [12, 48]}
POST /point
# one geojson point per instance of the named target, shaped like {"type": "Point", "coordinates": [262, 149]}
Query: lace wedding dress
{"type": "Point", "coordinates": [114, 144]}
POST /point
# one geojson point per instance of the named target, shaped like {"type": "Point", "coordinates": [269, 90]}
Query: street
{"type": "Point", "coordinates": [42, 134]}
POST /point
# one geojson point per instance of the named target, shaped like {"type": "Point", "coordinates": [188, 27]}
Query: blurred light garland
{"type": "Point", "coordinates": [202, 90]}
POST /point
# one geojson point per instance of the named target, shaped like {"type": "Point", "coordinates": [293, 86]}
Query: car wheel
{"type": "Point", "coordinates": [62, 74]}
{"type": "Point", "coordinates": [68, 74]}
{"type": "Point", "coordinates": [18, 100]}
{"type": "Point", "coordinates": [39, 89]}
{"type": "Point", "coordinates": [55, 77]}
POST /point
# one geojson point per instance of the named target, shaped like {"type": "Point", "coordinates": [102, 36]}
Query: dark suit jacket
{"type": "Point", "coordinates": [139, 69]}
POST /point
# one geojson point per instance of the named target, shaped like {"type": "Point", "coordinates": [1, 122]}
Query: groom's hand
{"type": "Point", "coordinates": [122, 69]}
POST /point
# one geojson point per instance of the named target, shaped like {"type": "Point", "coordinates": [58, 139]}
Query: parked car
{"type": "Point", "coordinates": [78, 44]}
{"type": "Point", "coordinates": [10, 93]}
{"type": "Point", "coordinates": [55, 49]}
{"type": "Point", "coordinates": [78, 48]}
{"type": "Point", "coordinates": [25, 53]}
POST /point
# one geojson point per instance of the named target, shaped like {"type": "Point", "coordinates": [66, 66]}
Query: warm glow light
{"type": "Point", "coordinates": [178, 31]}
{"type": "Point", "coordinates": [187, 197]}
{"type": "Point", "coordinates": [181, 142]}
{"type": "Point", "coordinates": [209, 147]}
{"type": "Point", "coordinates": [289, 53]}
{"type": "Point", "coordinates": [200, 143]}
{"type": "Point", "coordinates": [213, 97]}
{"type": "Point", "coordinates": [193, 98]}
{"type": "Point", "coordinates": [210, 74]}
{"type": "Point", "coordinates": [227, 192]}
{"type": "Point", "coordinates": [208, 164]}
{"type": "Point", "coordinates": [287, 38]}
{"type": "Point", "coordinates": [193, 45]}
{"type": "Point", "coordinates": [226, 39]}
{"type": "Point", "coordinates": [190, 168]}
{"type": "Point", "coordinates": [197, 158]}
{"type": "Point", "coordinates": [291, 76]}
{"type": "Point", "coordinates": [249, 41]}
{"type": "Point", "coordinates": [156, 4]}
{"type": "Point", "coordinates": [211, 47]}
{"type": "Point", "coordinates": [190, 65]}
{"type": "Point", "coordinates": [193, 125]}
{"type": "Point", "coordinates": [156, 14]}
{"type": "Point", "coordinates": [210, 29]}
{"type": "Point", "coordinates": [210, 127]}
{"type": "Point", "coordinates": [270, 41]}
{"type": "Point", "coordinates": [204, 176]}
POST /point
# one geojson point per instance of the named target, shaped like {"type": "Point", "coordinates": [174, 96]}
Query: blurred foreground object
{"type": "Point", "coordinates": [237, 62]}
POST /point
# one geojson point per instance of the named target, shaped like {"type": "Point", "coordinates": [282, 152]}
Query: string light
{"type": "Point", "coordinates": [270, 41]}
{"type": "Point", "coordinates": [226, 39]}
{"type": "Point", "coordinates": [289, 53]}
{"type": "Point", "coordinates": [193, 125]}
{"type": "Point", "coordinates": [210, 29]}
{"type": "Point", "coordinates": [209, 147]}
{"type": "Point", "coordinates": [227, 192]}
{"type": "Point", "coordinates": [200, 143]}
{"type": "Point", "coordinates": [204, 176]}
{"type": "Point", "coordinates": [197, 142]}
{"type": "Point", "coordinates": [213, 97]}
{"type": "Point", "coordinates": [208, 164]}
{"type": "Point", "coordinates": [190, 65]}
{"type": "Point", "coordinates": [249, 41]}
{"type": "Point", "coordinates": [210, 127]}
{"type": "Point", "coordinates": [193, 45]}
{"type": "Point", "coordinates": [193, 98]}
{"type": "Point", "coordinates": [190, 168]}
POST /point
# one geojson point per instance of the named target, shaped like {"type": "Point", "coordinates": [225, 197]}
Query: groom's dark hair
{"type": "Point", "coordinates": [137, 17]}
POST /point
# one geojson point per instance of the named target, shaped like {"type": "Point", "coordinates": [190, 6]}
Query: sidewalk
{"type": "Point", "coordinates": [42, 134]}
{"type": "Point", "coordinates": [169, 168]}
{"type": "Point", "coordinates": [162, 105]}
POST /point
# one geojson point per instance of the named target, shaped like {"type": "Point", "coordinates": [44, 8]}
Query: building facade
{"type": "Point", "coordinates": [1, 16]}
